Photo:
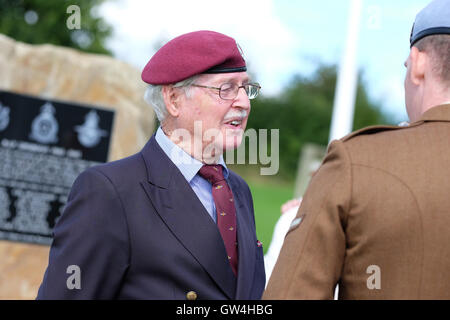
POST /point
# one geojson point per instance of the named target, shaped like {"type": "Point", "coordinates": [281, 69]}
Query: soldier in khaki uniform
{"type": "Point", "coordinates": [376, 216]}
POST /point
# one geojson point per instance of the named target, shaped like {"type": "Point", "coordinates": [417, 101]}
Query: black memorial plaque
{"type": "Point", "coordinates": [44, 146]}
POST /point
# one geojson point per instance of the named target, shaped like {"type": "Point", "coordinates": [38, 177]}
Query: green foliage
{"type": "Point", "coordinates": [303, 111]}
{"type": "Point", "coordinates": [47, 23]}
{"type": "Point", "coordinates": [267, 201]}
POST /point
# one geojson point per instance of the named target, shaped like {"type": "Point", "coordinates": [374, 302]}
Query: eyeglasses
{"type": "Point", "coordinates": [229, 91]}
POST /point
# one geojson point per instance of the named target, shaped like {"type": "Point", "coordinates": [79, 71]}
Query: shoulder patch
{"type": "Point", "coordinates": [296, 223]}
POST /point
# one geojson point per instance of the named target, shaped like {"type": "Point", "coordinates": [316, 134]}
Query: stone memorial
{"type": "Point", "coordinates": [96, 98]}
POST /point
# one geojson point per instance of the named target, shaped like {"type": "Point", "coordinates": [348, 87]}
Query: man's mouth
{"type": "Point", "coordinates": [235, 123]}
{"type": "Point", "coordinates": [234, 120]}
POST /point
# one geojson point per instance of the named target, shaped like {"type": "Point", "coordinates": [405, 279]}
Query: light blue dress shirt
{"type": "Point", "coordinates": [189, 168]}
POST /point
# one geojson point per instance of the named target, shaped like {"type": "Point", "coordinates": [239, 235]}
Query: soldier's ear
{"type": "Point", "coordinates": [170, 96]}
{"type": "Point", "coordinates": [419, 61]}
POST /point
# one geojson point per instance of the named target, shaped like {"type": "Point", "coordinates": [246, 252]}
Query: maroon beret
{"type": "Point", "coordinates": [194, 53]}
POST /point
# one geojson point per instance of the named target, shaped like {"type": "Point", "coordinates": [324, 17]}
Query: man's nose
{"type": "Point", "coordinates": [242, 99]}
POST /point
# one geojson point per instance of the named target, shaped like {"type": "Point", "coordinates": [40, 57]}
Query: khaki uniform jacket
{"type": "Point", "coordinates": [375, 218]}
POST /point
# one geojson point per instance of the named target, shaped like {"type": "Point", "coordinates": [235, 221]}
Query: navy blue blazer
{"type": "Point", "coordinates": [136, 230]}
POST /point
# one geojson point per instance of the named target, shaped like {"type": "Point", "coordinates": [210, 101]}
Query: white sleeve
{"type": "Point", "coordinates": [279, 232]}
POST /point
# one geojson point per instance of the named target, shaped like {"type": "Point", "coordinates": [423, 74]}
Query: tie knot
{"type": "Point", "coordinates": [212, 173]}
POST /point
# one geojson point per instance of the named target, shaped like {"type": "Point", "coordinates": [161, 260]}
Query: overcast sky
{"type": "Point", "coordinates": [280, 38]}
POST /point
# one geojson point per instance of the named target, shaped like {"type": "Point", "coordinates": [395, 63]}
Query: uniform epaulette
{"type": "Point", "coordinates": [371, 130]}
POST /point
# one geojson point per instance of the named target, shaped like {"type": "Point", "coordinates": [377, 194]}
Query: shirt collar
{"type": "Point", "coordinates": [187, 165]}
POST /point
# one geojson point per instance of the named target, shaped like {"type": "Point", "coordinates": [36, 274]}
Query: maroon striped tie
{"type": "Point", "coordinates": [226, 211]}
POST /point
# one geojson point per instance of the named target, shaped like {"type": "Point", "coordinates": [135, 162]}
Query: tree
{"type": "Point", "coordinates": [303, 112]}
{"type": "Point", "coordinates": [46, 21]}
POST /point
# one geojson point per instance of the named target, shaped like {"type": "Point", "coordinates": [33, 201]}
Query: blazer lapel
{"type": "Point", "coordinates": [184, 215]}
{"type": "Point", "coordinates": [246, 246]}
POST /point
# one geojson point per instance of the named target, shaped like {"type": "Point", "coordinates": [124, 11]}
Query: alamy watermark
{"type": "Point", "coordinates": [74, 280]}
{"type": "Point", "coordinates": [374, 19]}
{"type": "Point", "coordinates": [210, 144]}
{"type": "Point", "coordinates": [374, 281]}
{"type": "Point", "coordinates": [74, 20]}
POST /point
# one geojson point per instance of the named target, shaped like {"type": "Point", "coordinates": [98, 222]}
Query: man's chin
{"type": "Point", "coordinates": [234, 140]}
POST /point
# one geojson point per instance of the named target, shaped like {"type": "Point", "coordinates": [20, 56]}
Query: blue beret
{"type": "Point", "coordinates": [191, 54]}
{"type": "Point", "coordinates": [433, 19]}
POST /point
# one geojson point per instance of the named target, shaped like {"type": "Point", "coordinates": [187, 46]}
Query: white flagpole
{"type": "Point", "coordinates": [345, 93]}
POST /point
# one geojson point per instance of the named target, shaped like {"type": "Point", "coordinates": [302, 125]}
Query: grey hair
{"type": "Point", "coordinates": [154, 97]}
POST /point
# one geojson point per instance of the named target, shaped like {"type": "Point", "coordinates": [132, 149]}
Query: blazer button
{"type": "Point", "coordinates": [191, 295]}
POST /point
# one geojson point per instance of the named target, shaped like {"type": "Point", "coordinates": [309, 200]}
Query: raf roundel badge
{"type": "Point", "coordinates": [44, 128]}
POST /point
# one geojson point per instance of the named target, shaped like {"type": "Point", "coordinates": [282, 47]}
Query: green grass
{"type": "Point", "coordinates": [269, 193]}
{"type": "Point", "coordinates": [267, 200]}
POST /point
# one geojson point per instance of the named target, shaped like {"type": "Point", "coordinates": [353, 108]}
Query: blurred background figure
{"type": "Point", "coordinates": [288, 213]}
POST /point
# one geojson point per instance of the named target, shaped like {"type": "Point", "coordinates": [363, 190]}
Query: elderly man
{"type": "Point", "coordinates": [376, 216]}
{"type": "Point", "coordinates": [171, 222]}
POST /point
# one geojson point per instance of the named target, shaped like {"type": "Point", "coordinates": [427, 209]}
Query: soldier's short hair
{"type": "Point", "coordinates": [438, 47]}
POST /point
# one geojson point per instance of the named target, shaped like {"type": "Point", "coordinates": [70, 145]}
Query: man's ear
{"type": "Point", "coordinates": [170, 96]}
{"type": "Point", "coordinates": [419, 61]}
